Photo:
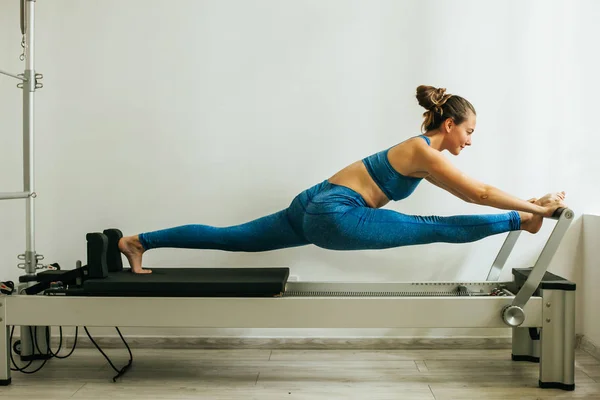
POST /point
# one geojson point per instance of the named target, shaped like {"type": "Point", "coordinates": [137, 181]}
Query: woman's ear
{"type": "Point", "coordinates": [448, 124]}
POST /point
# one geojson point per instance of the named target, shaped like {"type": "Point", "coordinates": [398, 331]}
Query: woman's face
{"type": "Point", "coordinates": [459, 136]}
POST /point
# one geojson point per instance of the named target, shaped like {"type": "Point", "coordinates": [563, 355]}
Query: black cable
{"type": "Point", "coordinates": [50, 353]}
{"type": "Point", "coordinates": [60, 343]}
{"type": "Point", "coordinates": [125, 368]}
{"type": "Point", "coordinates": [17, 368]}
{"type": "Point", "coordinates": [36, 345]}
{"type": "Point", "coordinates": [122, 370]}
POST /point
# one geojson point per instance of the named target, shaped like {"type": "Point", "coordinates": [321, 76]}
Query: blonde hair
{"type": "Point", "coordinates": [441, 106]}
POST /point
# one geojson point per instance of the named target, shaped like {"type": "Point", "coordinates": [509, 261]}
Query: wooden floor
{"type": "Point", "coordinates": [299, 374]}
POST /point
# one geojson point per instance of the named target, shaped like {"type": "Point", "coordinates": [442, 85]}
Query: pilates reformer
{"type": "Point", "coordinates": [538, 305]}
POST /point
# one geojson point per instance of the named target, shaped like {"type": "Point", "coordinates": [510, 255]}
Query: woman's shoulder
{"type": "Point", "coordinates": [413, 143]}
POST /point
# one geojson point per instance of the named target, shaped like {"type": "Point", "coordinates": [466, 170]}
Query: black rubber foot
{"type": "Point", "coordinates": [557, 385]}
{"type": "Point", "coordinates": [5, 382]}
{"type": "Point", "coordinates": [36, 357]}
{"type": "Point", "coordinates": [525, 358]}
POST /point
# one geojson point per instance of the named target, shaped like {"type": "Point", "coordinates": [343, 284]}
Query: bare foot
{"type": "Point", "coordinates": [133, 250]}
{"type": "Point", "coordinates": [530, 222]}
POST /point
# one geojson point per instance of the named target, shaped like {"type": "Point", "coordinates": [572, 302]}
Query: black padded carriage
{"type": "Point", "coordinates": [189, 282]}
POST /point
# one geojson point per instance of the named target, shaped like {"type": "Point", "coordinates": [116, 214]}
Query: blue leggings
{"type": "Point", "coordinates": [337, 218]}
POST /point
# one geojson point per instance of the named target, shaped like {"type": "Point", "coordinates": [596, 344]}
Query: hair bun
{"type": "Point", "coordinates": [441, 106]}
{"type": "Point", "coordinates": [432, 98]}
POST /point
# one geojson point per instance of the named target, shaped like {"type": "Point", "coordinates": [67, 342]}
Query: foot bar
{"type": "Point", "coordinates": [502, 256]}
{"type": "Point", "coordinates": [511, 240]}
{"type": "Point", "coordinates": [565, 217]}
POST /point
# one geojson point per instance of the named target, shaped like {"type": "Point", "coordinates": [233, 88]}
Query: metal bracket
{"type": "Point", "coordinates": [23, 265]}
{"type": "Point", "coordinates": [27, 84]}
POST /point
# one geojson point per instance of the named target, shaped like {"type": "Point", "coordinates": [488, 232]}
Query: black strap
{"type": "Point", "coordinates": [534, 334]}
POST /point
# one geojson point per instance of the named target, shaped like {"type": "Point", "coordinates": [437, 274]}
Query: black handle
{"type": "Point", "coordinates": [558, 212]}
{"type": "Point", "coordinates": [97, 246]}
{"type": "Point", "coordinates": [113, 254]}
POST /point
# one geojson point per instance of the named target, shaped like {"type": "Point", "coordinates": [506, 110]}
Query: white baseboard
{"type": "Point", "coordinates": [342, 343]}
{"type": "Point", "coordinates": [294, 343]}
{"type": "Point", "coordinates": [590, 347]}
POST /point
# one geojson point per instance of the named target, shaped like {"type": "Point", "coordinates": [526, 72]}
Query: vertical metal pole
{"type": "Point", "coordinates": [28, 348]}
{"type": "Point", "coordinates": [28, 139]}
{"type": "Point", "coordinates": [4, 346]}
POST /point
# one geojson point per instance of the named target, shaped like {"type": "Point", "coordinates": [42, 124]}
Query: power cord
{"type": "Point", "coordinates": [22, 369]}
{"type": "Point", "coordinates": [8, 288]}
{"type": "Point", "coordinates": [120, 372]}
{"type": "Point", "coordinates": [55, 355]}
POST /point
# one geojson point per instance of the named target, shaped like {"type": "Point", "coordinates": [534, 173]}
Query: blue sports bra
{"type": "Point", "coordinates": [392, 183]}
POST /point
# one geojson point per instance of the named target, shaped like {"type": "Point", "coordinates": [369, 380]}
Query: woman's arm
{"type": "Point", "coordinates": [448, 177]}
{"type": "Point", "coordinates": [459, 195]}
{"type": "Point", "coordinates": [448, 189]}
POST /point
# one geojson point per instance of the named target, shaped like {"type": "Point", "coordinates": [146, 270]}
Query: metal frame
{"type": "Point", "coordinates": [305, 304]}
{"type": "Point", "coordinates": [30, 81]}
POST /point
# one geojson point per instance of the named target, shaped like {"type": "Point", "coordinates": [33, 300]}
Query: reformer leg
{"type": "Point", "coordinates": [525, 344]}
{"type": "Point", "coordinates": [32, 336]}
{"type": "Point", "coordinates": [4, 346]}
{"type": "Point", "coordinates": [557, 357]}
{"type": "Point", "coordinates": [31, 350]}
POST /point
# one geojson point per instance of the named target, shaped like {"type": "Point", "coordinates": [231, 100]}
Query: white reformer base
{"type": "Point", "coordinates": [336, 305]}
{"type": "Point", "coordinates": [286, 312]}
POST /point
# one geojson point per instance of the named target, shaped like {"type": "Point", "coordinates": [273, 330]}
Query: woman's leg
{"type": "Point", "coordinates": [280, 230]}
{"type": "Point", "coordinates": [263, 234]}
{"type": "Point", "coordinates": [361, 228]}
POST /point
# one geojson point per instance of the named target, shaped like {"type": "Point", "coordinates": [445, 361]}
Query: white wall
{"type": "Point", "coordinates": [156, 114]}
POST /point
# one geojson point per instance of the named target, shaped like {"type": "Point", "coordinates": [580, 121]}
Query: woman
{"type": "Point", "coordinates": [344, 212]}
